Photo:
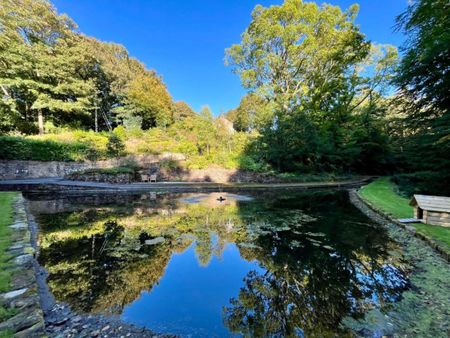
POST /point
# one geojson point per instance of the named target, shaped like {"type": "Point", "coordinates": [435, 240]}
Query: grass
{"type": "Point", "coordinates": [6, 200]}
{"type": "Point", "coordinates": [383, 194]}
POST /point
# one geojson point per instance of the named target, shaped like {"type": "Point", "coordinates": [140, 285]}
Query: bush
{"type": "Point", "coordinates": [423, 182]}
{"type": "Point", "coordinates": [19, 148]}
{"type": "Point", "coordinates": [115, 146]}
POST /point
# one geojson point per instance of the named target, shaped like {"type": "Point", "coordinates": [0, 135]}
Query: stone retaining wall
{"type": "Point", "coordinates": [23, 295]}
{"type": "Point", "coordinates": [10, 170]}
{"type": "Point", "coordinates": [215, 175]}
{"type": "Point", "coordinates": [99, 177]}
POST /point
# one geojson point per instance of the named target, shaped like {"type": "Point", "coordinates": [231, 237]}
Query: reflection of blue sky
{"type": "Point", "coordinates": [190, 298]}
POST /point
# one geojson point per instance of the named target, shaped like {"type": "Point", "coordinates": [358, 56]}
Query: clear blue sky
{"type": "Point", "coordinates": [184, 41]}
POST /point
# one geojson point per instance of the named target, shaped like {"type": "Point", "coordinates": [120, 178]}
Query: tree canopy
{"type": "Point", "coordinates": [323, 78]}
{"type": "Point", "coordinates": [50, 70]}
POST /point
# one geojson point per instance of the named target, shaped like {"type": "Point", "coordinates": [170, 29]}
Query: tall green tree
{"type": "Point", "coordinates": [149, 98]}
{"type": "Point", "coordinates": [182, 111]}
{"type": "Point", "coordinates": [319, 71]}
{"type": "Point", "coordinates": [41, 64]}
{"type": "Point", "coordinates": [253, 112]}
{"type": "Point", "coordinates": [424, 81]}
{"type": "Point", "coordinates": [294, 52]}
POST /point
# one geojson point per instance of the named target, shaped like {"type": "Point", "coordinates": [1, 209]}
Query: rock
{"type": "Point", "coordinates": [76, 319]}
{"type": "Point", "coordinates": [19, 225]}
{"type": "Point", "coordinates": [61, 321]}
{"type": "Point", "coordinates": [154, 241]}
{"type": "Point", "coordinates": [18, 246]}
{"type": "Point", "coordinates": [37, 330]}
{"type": "Point", "coordinates": [22, 321]}
{"type": "Point", "coordinates": [106, 328]}
{"type": "Point", "coordinates": [410, 229]}
{"type": "Point", "coordinates": [95, 333]}
{"type": "Point", "coordinates": [24, 260]}
{"type": "Point", "coordinates": [15, 293]}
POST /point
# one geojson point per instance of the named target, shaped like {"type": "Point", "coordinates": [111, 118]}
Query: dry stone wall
{"type": "Point", "coordinates": [23, 296]}
{"type": "Point", "coordinates": [10, 170]}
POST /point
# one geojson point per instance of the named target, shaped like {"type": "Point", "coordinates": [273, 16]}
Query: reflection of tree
{"type": "Point", "coordinates": [322, 261]}
{"type": "Point", "coordinates": [313, 279]}
{"type": "Point", "coordinates": [97, 257]}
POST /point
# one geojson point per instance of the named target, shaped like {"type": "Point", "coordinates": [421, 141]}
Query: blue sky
{"type": "Point", "coordinates": [184, 41]}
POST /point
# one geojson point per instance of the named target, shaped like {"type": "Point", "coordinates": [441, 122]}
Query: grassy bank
{"type": "Point", "coordinates": [6, 209]}
{"type": "Point", "coordinates": [384, 195]}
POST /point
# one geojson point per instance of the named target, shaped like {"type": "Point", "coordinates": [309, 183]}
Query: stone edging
{"type": "Point", "coordinates": [411, 229]}
{"type": "Point", "coordinates": [24, 293]}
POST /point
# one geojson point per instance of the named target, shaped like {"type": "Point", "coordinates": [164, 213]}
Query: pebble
{"type": "Point", "coordinates": [63, 323]}
{"type": "Point", "coordinates": [95, 333]}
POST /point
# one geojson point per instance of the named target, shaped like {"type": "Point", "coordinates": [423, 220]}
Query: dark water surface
{"type": "Point", "coordinates": [257, 264]}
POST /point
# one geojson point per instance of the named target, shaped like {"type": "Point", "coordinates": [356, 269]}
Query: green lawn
{"type": "Point", "coordinates": [6, 200]}
{"type": "Point", "coordinates": [382, 193]}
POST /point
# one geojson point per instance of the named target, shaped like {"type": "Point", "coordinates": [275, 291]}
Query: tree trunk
{"type": "Point", "coordinates": [40, 122]}
{"type": "Point", "coordinates": [96, 120]}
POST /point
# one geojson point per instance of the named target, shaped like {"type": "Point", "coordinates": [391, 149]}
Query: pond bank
{"type": "Point", "coordinates": [424, 310]}
{"type": "Point", "coordinates": [60, 184]}
{"type": "Point", "coordinates": [37, 314]}
{"type": "Point", "coordinates": [380, 196]}
{"type": "Point", "coordinates": [21, 313]}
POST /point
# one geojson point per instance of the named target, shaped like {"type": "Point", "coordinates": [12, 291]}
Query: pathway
{"type": "Point", "coordinates": [63, 184]}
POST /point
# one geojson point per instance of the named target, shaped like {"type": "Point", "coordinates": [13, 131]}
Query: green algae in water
{"type": "Point", "coordinates": [278, 264]}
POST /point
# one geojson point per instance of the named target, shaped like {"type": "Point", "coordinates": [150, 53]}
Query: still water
{"type": "Point", "coordinates": [255, 264]}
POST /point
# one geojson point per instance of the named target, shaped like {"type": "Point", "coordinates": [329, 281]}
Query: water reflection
{"type": "Point", "coordinates": [304, 260]}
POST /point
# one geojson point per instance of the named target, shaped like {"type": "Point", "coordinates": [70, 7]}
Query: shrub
{"type": "Point", "coordinates": [19, 148]}
{"type": "Point", "coordinates": [115, 146]}
{"type": "Point", "coordinates": [423, 182]}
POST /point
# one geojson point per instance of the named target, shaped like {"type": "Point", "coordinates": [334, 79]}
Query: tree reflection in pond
{"type": "Point", "coordinates": [319, 259]}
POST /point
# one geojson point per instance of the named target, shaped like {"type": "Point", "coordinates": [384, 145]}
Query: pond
{"type": "Point", "coordinates": [267, 263]}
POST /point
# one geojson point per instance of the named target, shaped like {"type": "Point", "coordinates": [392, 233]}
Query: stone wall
{"type": "Point", "coordinates": [35, 169]}
{"type": "Point", "coordinates": [23, 295]}
{"type": "Point", "coordinates": [215, 175]}
{"type": "Point", "coordinates": [100, 177]}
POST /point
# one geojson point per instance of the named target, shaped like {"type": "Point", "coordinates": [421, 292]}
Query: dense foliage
{"type": "Point", "coordinates": [51, 72]}
{"type": "Point", "coordinates": [424, 108]}
{"type": "Point", "coordinates": [324, 84]}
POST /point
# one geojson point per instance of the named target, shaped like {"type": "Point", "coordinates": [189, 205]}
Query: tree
{"type": "Point", "coordinates": [424, 72]}
{"type": "Point", "coordinates": [291, 51]}
{"type": "Point", "coordinates": [182, 111]}
{"type": "Point", "coordinates": [424, 81]}
{"type": "Point", "coordinates": [253, 112]}
{"type": "Point", "coordinates": [150, 99]}
{"type": "Point", "coordinates": [40, 62]}
{"type": "Point", "coordinates": [317, 70]}
{"type": "Point", "coordinates": [48, 69]}
{"type": "Point", "coordinates": [206, 130]}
